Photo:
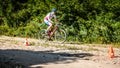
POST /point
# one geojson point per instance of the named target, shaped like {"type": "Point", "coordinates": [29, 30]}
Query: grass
{"type": "Point", "coordinates": [61, 46]}
{"type": "Point", "coordinates": [117, 45]}
{"type": "Point", "coordinates": [8, 40]}
{"type": "Point", "coordinates": [64, 46]}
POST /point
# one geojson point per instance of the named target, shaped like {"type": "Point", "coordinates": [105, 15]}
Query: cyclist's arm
{"type": "Point", "coordinates": [56, 20]}
{"type": "Point", "coordinates": [50, 20]}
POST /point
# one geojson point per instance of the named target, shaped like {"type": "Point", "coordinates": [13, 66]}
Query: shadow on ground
{"type": "Point", "coordinates": [11, 58]}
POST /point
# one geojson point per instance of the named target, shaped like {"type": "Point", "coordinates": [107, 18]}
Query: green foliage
{"type": "Point", "coordinates": [88, 21]}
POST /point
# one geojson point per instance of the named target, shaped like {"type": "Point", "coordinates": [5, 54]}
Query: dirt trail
{"type": "Point", "coordinates": [52, 55]}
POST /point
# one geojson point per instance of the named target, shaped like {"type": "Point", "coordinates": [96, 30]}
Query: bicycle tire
{"type": "Point", "coordinates": [41, 36]}
{"type": "Point", "coordinates": [60, 36]}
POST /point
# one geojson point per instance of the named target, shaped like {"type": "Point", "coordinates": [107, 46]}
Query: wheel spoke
{"type": "Point", "coordinates": [41, 36]}
{"type": "Point", "coordinates": [60, 36]}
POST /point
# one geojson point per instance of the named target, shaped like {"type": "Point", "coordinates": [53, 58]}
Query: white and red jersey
{"type": "Point", "coordinates": [49, 16]}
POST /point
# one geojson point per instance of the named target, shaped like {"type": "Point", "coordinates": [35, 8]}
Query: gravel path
{"type": "Point", "coordinates": [14, 53]}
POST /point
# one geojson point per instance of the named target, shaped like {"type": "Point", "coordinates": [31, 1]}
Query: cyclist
{"type": "Point", "coordinates": [48, 19]}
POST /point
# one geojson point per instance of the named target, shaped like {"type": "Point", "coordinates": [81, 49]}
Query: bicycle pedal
{"type": "Point", "coordinates": [50, 39]}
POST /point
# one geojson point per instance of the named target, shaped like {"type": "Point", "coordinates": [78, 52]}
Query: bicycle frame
{"type": "Point", "coordinates": [51, 33]}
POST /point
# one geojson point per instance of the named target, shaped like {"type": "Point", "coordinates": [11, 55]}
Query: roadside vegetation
{"type": "Point", "coordinates": [86, 21]}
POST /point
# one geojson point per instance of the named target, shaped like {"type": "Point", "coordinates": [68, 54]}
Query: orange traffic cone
{"type": "Point", "coordinates": [111, 52]}
{"type": "Point", "coordinates": [26, 42]}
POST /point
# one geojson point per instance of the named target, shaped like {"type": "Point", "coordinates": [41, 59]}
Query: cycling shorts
{"type": "Point", "coordinates": [47, 22]}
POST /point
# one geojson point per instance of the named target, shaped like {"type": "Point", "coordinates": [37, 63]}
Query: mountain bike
{"type": "Point", "coordinates": [56, 34]}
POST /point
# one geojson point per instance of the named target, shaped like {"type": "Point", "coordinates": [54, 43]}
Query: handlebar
{"type": "Point", "coordinates": [59, 24]}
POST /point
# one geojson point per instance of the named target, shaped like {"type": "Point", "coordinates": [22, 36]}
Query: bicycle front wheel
{"type": "Point", "coordinates": [60, 36]}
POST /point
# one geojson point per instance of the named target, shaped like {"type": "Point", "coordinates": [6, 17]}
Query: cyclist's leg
{"type": "Point", "coordinates": [49, 26]}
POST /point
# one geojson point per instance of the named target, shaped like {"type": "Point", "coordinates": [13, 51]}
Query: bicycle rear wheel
{"type": "Point", "coordinates": [41, 36]}
{"type": "Point", "coordinates": [60, 36]}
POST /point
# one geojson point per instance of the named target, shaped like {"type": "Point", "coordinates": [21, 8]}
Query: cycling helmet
{"type": "Point", "coordinates": [54, 10]}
